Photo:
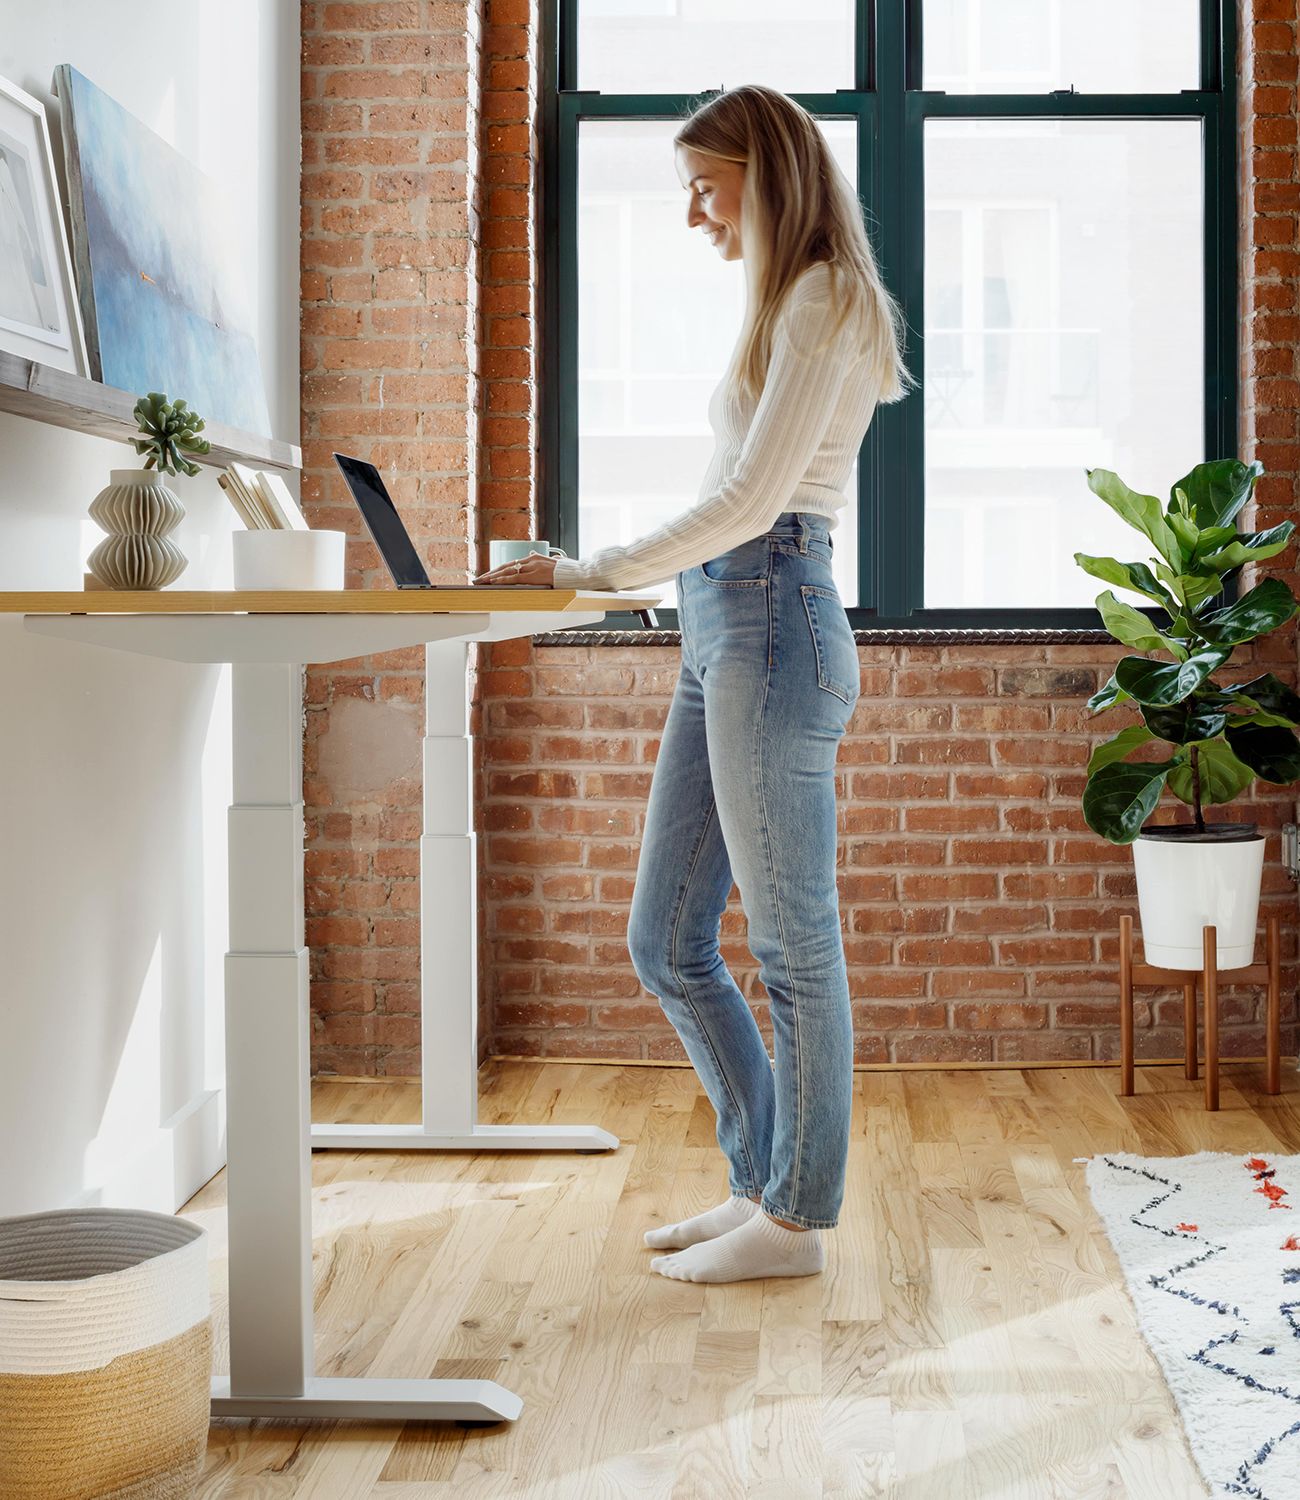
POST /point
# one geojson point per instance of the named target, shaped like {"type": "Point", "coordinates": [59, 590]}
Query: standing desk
{"type": "Point", "coordinates": [267, 638]}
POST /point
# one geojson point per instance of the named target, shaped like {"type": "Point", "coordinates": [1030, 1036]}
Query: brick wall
{"type": "Point", "coordinates": [394, 241]}
{"type": "Point", "coordinates": [980, 913]}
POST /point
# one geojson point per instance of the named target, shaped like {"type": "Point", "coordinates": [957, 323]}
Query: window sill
{"type": "Point", "coordinates": [1040, 635]}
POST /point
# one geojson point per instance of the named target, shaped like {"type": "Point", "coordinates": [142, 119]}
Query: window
{"type": "Point", "coordinates": [1049, 187]}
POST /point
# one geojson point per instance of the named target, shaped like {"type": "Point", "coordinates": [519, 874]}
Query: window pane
{"type": "Point", "coordinates": [680, 46]}
{"type": "Point", "coordinates": [1031, 46]}
{"type": "Point", "coordinates": [659, 313]}
{"type": "Point", "coordinates": [1063, 332]}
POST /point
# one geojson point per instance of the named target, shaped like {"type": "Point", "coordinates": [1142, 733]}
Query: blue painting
{"type": "Point", "coordinates": [163, 297]}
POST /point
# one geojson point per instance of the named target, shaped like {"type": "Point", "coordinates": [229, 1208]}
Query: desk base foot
{"type": "Point", "coordinates": [477, 1138]}
{"type": "Point", "coordinates": [331, 1399]}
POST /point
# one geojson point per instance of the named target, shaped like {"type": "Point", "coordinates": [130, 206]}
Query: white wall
{"type": "Point", "coordinates": [115, 769]}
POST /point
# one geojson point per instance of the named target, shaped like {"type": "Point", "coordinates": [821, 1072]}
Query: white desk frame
{"type": "Point", "coordinates": [449, 929]}
{"type": "Point", "coordinates": [268, 1056]}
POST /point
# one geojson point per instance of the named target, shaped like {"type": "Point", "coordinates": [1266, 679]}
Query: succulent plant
{"type": "Point", "coordinates": [171, 430]}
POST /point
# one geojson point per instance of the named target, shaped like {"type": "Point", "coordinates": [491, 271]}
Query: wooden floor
{"type": "Point", "coordinates": [970, 1336]}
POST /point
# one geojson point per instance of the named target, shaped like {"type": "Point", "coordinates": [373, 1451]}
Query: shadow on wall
{"type": "Point", "coordinates": [112, 914]}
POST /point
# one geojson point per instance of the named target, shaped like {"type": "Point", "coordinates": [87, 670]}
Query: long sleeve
{"type": "Point", "coordinates": [794, 410]}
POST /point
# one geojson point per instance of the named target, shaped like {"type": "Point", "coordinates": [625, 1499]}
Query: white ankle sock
{"type": "Point", "coordinates": [735, 1211]}
{"type": "Point", "coordinates": [761, 1247]}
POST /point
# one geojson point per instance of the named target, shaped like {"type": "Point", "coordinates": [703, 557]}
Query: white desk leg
{"type": "Point", "coordinates": [268, 1187]}
{"type": "Point", "coordinates": [268, 1084]}
{"type": "Point", "coordinates": [449, 950]}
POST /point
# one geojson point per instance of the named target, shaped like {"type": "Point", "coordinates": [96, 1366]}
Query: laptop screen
{"type": "Point", "coordinates": [383, 522]}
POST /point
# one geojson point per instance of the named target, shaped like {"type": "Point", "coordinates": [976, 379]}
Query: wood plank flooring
{"type": "Point", "coordinates": [970, 1337]}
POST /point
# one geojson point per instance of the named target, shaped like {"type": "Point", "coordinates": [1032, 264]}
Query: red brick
{"type": "Point", "coordinates": [372, 83]}
{"type": "Point", "coordinates": [332, 51]}
{"type": "Point", "coordinates": [396, 15]}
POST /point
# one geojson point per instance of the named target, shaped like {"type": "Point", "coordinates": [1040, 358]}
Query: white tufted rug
{"type": "Point", "coordinates": [1210, 1246]}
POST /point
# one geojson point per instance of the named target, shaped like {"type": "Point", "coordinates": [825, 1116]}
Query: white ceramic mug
{"type": "Point", "coordinates": [509, 551]}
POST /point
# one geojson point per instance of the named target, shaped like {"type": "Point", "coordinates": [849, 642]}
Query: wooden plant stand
{"type": "Point", "coordinates": [1131, 974]}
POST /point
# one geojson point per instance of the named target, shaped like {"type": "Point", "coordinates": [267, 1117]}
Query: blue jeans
{"type": "Point", "coordinates": [744, 786]}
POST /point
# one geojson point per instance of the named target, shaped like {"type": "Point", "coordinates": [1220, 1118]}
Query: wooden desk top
{"type": "Point", "coordinates": [442, 599]}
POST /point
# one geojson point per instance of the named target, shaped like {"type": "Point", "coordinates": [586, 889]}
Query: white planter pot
{"type": "Point", "coordinates": [288, 559]}
{"type": "Point", "coordinates": [1184, 885]}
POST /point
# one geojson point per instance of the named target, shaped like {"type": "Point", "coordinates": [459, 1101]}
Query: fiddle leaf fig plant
{"type": "Point", "coordinates": [1218, 738]}
{"type": "Point", "coordinates": [170, 430]}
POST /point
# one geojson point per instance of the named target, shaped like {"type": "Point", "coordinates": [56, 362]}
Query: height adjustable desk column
{"type": "Point", "coordinates": [449, 941]}
{"type": "Point", "coordinates": [267, 1004]}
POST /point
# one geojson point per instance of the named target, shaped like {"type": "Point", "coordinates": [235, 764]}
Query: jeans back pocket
{"type": "Point", "coordinates": [832, 637]}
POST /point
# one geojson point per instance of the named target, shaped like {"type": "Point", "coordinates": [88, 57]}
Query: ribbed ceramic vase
{"type": "Point", "coordinates": [137, 510]}
{"type": "Point", "coordinates": [105, 1355]}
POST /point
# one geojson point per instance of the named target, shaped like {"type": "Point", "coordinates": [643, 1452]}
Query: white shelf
{"type": "Point", "coordinates": [66, 400]}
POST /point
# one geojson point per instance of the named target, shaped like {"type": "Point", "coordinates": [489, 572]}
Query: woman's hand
{"type": "Point", "coordinates": [534, 570]}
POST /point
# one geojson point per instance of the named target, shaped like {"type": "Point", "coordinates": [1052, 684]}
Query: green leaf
{"type": "Point", "coordinates": [1135, 576]}
{"type": "Point", "coordinates": [1271, 752]}
{"type": "Point", "coordinates": [1162, 683]}
{"type": "Point", "coordinates": [1251, 547]}
{"type": "Point", "coordinates": [1141, 511]}
{"type": "Point", "coordinates": [1264, 608]}
{"type": "Point", "coordinates": [1121, 796]}
{"type": "Point", "coordinates": [1132, 627]}
{"type": "Point", "coordinates": [1212, 538]}
{"type": "Point", "coordinates": [1127, 739]}
{"type": "Point", "coordinates": [1187, 532]}
{"type": "Point", "coordinates": [1270, 694]}
{"type": "Point", "coordinates": [1182, 723]}
{"type": "Point", "coordinates": [1218, 489]}
{"type": "Point", "coordinates": [1198, 589]}
{"type": "Point", "coordinates": [1107, 696]}
{"type": "Point", "coordinates": [1182, 628]}
{"type": "Point", "coordinates": [1192, 589]}
{"type": "Point", "coordinates": [1222, 775]}
{"type": "Point", "coordinates": [1238, 721]}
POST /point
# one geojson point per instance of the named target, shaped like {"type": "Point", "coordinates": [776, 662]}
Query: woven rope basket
{"type": "Point", "coordinates": [105, 1355]}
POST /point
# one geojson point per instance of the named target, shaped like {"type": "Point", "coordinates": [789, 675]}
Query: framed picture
{"type": "Point", "coordinates": [160, 256]}
{"type": "Point", "coordinates": [40, 318]}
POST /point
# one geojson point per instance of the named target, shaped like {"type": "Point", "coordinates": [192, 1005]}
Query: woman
{"type": "Point", "coordinates": [744, 783]}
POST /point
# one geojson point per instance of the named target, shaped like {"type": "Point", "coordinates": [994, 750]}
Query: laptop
{"type": "Point", "coordinates": [390, 535]}
{"type": "Point", "coordinates": [385, 526]}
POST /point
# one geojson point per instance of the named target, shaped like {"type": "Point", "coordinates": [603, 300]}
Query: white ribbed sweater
{"type": "Point", "coordinates": [793, 450]}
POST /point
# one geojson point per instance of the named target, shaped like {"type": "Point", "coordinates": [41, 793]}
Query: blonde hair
{"type": "Point", "coordinates": [796, 207]}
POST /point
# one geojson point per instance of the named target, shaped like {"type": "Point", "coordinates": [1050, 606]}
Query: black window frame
{"type": "Point", "coordinates": [891, 109]}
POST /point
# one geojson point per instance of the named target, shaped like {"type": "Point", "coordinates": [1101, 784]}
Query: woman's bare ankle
{"type": "Point", "coordinates": [785, 1224]}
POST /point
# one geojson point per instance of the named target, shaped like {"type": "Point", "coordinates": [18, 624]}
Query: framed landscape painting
{"type": "Point", "coordinates": [39, 318]}
{"type": "Point", "coordinates": [159, 263]}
